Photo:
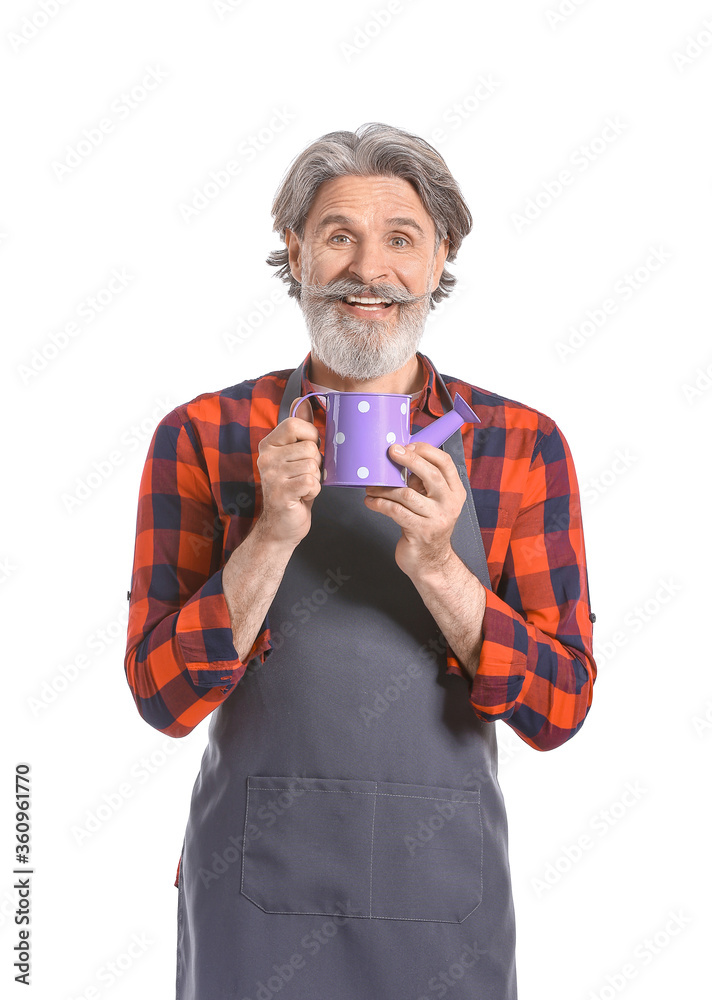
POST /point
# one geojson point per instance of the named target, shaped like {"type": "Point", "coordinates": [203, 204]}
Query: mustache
{"type": "Point", "coordinates": [334, 291]}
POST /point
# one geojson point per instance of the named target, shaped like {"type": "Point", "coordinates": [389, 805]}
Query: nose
{"type": "Point", "coordinates": [368, 263]}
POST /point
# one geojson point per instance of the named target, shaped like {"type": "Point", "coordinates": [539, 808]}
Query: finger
{"type": "Point", "coordinates": [402, 496]}
{"type": "Point", "coordinates": [293, 429]}
{"type": "Point", "coordinates": [439, 458]}
{"type": "Point", "coordinates": [271, 455]}
{"type": "Point", "coordinates": [298, 451]}
{"type": "Point", "coordinates": [434, 467]}
{"type": "Point", "coordinates": [416, 483]}
{"type": "Point", "coordinates": [429, 474]}
{"type": "Point", "coordinates": [292, 489]}
{"type": "Point", "coordinates": [305, 467]}
{"type": "Point", "coordinates": [398, 511]}
{"type": "Point", "coordinates": [305, 487]}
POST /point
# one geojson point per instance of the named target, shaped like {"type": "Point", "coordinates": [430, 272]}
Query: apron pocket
{"type": "Point", "coordinates": [362, 849]}
{"type": "Point", "coordinates": [307, 845]}
{"type": "Point", "coordinates": [427, 853]}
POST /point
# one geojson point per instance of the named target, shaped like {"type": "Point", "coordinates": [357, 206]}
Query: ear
{"type": "Point", "coordinates": [294, 250]}
{"type": "Point", "coordinates": [439, 265]}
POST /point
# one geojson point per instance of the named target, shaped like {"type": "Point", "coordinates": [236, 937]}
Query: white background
{"type": "Point", "coordinates": [631, 396]}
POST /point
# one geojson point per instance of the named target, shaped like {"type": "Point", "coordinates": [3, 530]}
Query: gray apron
{"type": "Point", "coordinates": [347, 837]}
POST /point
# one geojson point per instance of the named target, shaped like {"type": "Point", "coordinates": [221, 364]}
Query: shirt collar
{"type": "Point", "coordinates": [429, 401]}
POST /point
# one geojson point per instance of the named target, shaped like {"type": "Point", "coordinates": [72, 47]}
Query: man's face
{"type": "Point", "coordinates": [366, 237]}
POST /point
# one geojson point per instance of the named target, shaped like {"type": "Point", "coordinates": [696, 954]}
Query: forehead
{"type": "Point", "coordinates": [369, 202]}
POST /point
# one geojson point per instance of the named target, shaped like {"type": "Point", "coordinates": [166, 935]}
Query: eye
{"type": "Point", "coordinates": [402, 240]}
{"type": "Point", "coordinates": [339, 236]}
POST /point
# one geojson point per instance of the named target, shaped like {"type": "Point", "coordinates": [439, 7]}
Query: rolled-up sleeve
{"type": "Point", "coordinates": [536, 668]}
{"type": "Point", "coordinates": [180, 659]}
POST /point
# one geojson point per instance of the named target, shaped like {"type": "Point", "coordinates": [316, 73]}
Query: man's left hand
{"type": "Point", "coordinates": [426, 509]}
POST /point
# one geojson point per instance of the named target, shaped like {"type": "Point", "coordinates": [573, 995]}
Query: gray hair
{"type": "Point", "coordinates": [373, 149]}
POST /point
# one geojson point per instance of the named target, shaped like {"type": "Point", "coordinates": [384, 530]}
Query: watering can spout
{"type": "Point", "coordinates": [441, 429]}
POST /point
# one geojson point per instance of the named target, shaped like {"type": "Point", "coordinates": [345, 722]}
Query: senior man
{"type": "Point", "coordinates": [347, 836]}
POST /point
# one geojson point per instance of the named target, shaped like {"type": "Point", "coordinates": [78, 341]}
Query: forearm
{"type": "Point", "coordinates": [251, 578]}
{"type": "Point", "coordinates": [183, 666]}
{"type": "Point", "coordinates": [539, 685]}
{"type": "Point", "coordinates": [456, 600]}
{"type": "Point", "coordinates": [194, 623]}
{"type": "Point", "coordinates": [525, 647]}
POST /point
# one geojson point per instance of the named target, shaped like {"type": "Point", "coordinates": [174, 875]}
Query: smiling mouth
{"type": "Point", "coordinates": [367, 303]}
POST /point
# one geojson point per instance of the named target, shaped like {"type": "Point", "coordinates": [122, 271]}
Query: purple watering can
{"type": "Point", "coordinates": [361, 427]}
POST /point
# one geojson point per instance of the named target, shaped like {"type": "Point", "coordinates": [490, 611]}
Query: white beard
{"type": "Point", "coordinates": [363, 349]}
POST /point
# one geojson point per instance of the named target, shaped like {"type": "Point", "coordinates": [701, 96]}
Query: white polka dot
{"type": "Point", "coordinates": [364, 407]}
{"type": "Point", "coordinates": [404, 407]}
{"type": "Point", "coordinates": [363, 471]}
{"type": "Point", "coordinates": [339, 437]}
{"type": "Point", "coordinates": [390, 437]}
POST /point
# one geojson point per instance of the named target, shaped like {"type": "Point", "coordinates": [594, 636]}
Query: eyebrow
{"type": "Point", "coordinates": [344, 220]}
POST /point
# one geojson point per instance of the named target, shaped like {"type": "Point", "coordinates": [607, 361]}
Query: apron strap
{"type": "Point", "coordinates": [466, 537]}
{"type": "Point", "coordinates": [292, 389]}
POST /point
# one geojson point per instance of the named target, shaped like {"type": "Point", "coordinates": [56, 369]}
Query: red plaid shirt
{"type": "Point", "coordinates": [200, 495]}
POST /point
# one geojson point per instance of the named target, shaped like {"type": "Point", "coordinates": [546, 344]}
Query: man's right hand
{"type": "Point", "coordinates": [289, 463]}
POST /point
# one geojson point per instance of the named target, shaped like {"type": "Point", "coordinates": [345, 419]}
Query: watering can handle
{"type": "Point", "coordinates": [300, 399]}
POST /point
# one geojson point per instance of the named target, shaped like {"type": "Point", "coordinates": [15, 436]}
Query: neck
{"type": "Point", "coordinates": [406, 380]}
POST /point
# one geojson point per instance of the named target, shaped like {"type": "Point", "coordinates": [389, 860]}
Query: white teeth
{"type": "Point", "coordinates": [366, 300]}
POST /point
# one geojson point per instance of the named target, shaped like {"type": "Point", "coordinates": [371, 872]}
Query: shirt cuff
{"type": "Point", "coordinates": [204, 635]}
{"type": "Point", "coordinates": [501, 672]}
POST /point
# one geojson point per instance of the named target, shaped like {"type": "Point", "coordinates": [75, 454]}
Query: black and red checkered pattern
{"type": "Point", "coordinates": [200, 495]}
